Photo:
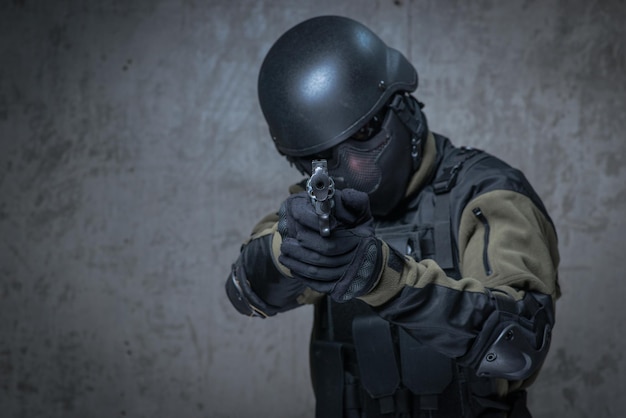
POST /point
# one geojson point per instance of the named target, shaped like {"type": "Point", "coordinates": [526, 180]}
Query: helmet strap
{"type": "Point", "coordinates": [408, 110]}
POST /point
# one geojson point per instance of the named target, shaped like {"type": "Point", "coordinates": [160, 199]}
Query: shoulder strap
{"type": "Point", "coordinates": [443, 184]}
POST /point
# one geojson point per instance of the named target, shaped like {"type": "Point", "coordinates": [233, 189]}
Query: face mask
{"type": "Point", "coordinates": [379, 165]}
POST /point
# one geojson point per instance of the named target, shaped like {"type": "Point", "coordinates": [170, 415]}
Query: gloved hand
{"type": "Point", "coordinates": [345, 264]}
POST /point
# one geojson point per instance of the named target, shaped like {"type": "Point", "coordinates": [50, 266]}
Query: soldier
{"type": "Point", "coordinates": [435, 290]}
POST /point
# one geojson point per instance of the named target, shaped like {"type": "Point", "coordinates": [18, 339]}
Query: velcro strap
{"type": "Point", "coordinates": [375, 354]}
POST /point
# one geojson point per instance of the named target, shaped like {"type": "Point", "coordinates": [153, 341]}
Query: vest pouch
{"type": "Point", "coordinates": [424, 370]}
{"type": "Point", "coordinates": [430, 376]}
{"type": "Point", "coordinates": [378, 367]}
{"type": "Point", "coordinates": [328, 378]}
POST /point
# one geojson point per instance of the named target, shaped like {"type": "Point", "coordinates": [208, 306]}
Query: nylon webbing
{"type": "Point", "coordinates": [442, 233]}
{"type": "Point", "coordinates": [442, 185]}
{"type": "Point", "coordinates": [407, 114]}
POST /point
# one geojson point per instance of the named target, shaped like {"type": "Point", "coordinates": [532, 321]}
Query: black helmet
{"type": "Point", "coordinates": [324, 79]}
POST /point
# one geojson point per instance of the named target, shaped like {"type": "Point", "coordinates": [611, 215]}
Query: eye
{"type": "Point", "coordinates": [324, 155]}
{"type": "Point", "coordinates": [371, 128]}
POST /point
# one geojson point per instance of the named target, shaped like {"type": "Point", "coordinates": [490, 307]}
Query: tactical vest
{"type": "Point", "coordinates": [396, 375]}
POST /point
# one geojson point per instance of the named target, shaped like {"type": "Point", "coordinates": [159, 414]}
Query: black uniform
{"type": "Point", "coordinates": [444, 259]}
{"type": "Point", "coordinates": [470, 279]}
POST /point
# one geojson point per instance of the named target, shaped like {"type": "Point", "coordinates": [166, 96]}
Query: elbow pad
{"type": "Point", "coordinates": [516, 345]}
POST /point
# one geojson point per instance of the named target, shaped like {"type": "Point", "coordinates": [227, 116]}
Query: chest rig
{"type": "Point", "coordinates": [362, 365]}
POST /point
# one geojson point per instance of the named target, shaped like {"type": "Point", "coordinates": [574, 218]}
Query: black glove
{"type": "Point", "coordinates": [345, 264]}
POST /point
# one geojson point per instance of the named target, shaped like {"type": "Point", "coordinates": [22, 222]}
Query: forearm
{"type": "Point", "coordinates": [462, 318]}
{"type": "Point", "coordinates": [468, 321]}
{"type": "Point", "coordinates": [256, 286]}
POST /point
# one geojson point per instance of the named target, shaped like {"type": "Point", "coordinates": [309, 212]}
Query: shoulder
{"type": "Point", "coordinates": [478, 172]}
{"type": "Point", "coordinates": [488, 173]}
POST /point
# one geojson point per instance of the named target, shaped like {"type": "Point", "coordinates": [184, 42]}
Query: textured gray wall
{"type": "Point", "coordinates": [134, 161]}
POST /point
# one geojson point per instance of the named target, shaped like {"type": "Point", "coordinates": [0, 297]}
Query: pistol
{"type": "Point", "coordinates": [321, 189]}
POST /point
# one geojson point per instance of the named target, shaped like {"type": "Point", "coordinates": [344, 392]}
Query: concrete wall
{"type": "Point", "coordinates": [134, 160]}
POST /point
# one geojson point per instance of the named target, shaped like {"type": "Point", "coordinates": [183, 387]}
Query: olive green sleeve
{"type": "Point", "coordinates": [519, 244]}
{"type": "Point", "coordinates": [508, 260]}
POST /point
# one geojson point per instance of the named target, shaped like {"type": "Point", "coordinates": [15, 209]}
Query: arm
{"type": "Point", "coordinates": [256, 285]}
{"type": "Point", "coordinates": [466, 319]}
{"type": "Point", "coordinates": [508, 260]}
